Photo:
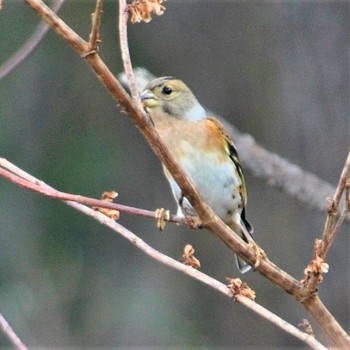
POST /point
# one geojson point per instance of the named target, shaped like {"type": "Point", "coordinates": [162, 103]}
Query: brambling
{"type": "Point", "coordinates": [203, 149]}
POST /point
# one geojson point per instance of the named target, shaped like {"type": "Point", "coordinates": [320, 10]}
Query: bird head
{"type": "Point", "coordinates": [172, 98]}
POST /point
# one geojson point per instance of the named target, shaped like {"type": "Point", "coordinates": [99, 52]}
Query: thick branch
{"type": "Point", "coordinates": [329, 324]}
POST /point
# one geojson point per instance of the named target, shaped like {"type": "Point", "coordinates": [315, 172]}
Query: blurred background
{"type": "Point", "coordinates": [276, 70]}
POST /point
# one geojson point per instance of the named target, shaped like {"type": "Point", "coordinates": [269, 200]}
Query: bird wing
{"type": "Point", "coordinates": [231, 151]}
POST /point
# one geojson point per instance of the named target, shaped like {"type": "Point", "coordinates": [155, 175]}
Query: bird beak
{"type": "Point", "coordinates": [148, 99]}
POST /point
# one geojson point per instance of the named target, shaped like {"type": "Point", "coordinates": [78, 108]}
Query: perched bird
{"type": "Point", "coordinates": [203, 149]}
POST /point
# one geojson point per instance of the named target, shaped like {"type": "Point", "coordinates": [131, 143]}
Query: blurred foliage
{"type": "Point", "coordinates": [278, 70]}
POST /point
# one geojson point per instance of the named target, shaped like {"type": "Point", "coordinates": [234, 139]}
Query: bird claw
{"type": "Point", "coordinates": [258, 252]}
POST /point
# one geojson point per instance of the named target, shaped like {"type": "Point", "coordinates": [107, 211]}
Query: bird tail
{"type": "Point", "coordinates": [247, 231]}
{"type": "Point", "coordinates": [243, 267]}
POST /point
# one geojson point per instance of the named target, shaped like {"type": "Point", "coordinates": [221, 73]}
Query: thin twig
{"type": "Point", "coordinates": [314, 276]}
{"type": "Point", "coordinates": [123, 38]}
{"type": "Point", "coordinates": [11, 335]}
{"type": "Point", "coordinates": [16, 59]}
{"type": "Point", "coordinates": [25, 180]}
{"type": "Point", "coordinates": [333, 233]}
{"type": "Point", "coordinates": [333, 224]}
{"type": "Point", "coordinates": [329, 230]}
{"type": "Point", "coordinates": [95, 30]}
{"type": "Point", "coordinates": [308, 339]}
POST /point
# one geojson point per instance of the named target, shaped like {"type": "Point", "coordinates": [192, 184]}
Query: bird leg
{"type": "Point", "coordinates": [258, 252]}
{"type": "Point", "coordinates": [191, 219]}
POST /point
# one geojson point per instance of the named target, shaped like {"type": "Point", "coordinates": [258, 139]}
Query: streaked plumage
{"type": "Point", "coordinates": [203, 148]}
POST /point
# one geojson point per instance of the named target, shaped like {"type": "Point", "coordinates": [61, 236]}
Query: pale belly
{"type": "Point", "coordinates": [218, 184]}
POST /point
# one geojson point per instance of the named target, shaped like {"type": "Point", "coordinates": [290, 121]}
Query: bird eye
{"type": "Point", "coordinates": [167, 90]}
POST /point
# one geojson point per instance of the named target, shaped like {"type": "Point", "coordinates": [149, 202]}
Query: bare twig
{"type": "Point", "coordinates": [94, 39]}
{"type": "Point", "coordinates": [332, 224]}
{"type": "Point", "coordinates": [11, 335]}
{"type": "Point", "coordinates": [280, 322]}
{"type": "Point", "coordinates": [123, 38]}
{"type": "Point", "coordinates": [25, 180]}
{"type": "Point", "coordinates": [14, 61]}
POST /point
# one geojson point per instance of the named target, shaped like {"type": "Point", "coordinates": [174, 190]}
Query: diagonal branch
{"type": "Point", "coordinates": [15, 60]}
{"type": "Point", "coordinates": [11, 335]}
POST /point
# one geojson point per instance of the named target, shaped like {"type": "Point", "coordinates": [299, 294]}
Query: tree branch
{"type": "Point", "coordinates": [123, 38]}
{"type": "Point", "coordinates": [24, 180]}
{"type": "Point", "coordinates": [95, 31]}
{"type": "Point", "coordinates": [315, 269]}
{"type": "Point", "coordinates": [11, 335]}
{"type": "Point", "coordinates": [15, 60]}
{"type": "Point", "coordinates": [332, 224]}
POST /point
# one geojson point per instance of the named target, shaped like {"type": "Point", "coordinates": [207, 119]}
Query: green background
{"type": "Point", "coordinates": [276, 70]}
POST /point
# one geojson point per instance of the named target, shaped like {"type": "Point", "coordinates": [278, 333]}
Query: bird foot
{"type": "Point", "coordinates": [259, 254]}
